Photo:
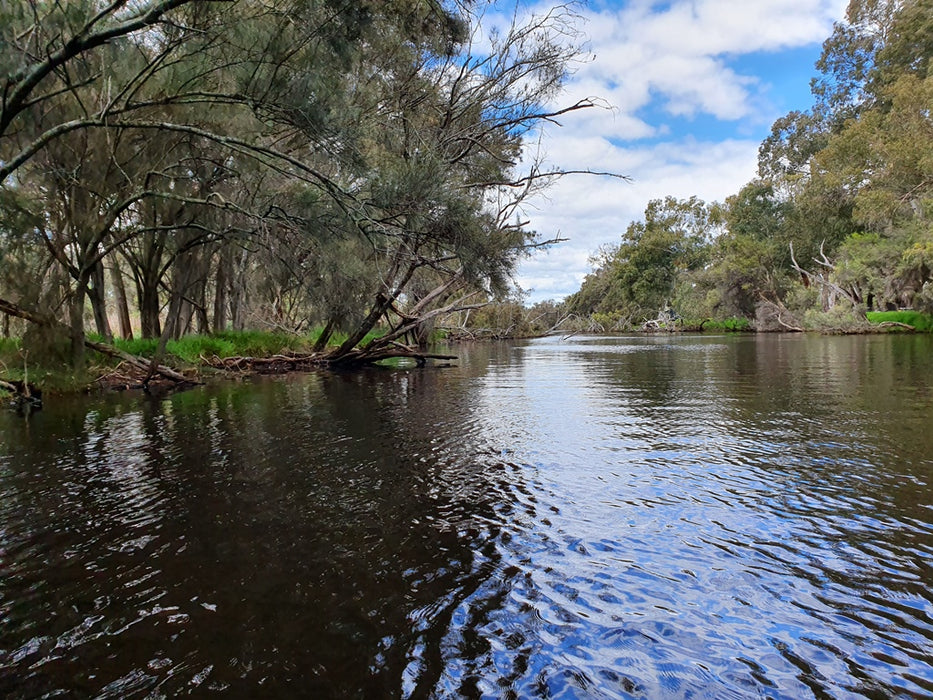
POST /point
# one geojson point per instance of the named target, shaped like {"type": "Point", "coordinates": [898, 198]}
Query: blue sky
{"type": "Point", "coordinates": [694, 87]}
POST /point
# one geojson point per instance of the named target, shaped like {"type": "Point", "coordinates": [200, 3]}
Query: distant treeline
{"type": "Point", "coordinates": [838, 222]}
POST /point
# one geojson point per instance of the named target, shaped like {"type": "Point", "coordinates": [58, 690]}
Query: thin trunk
{"type": "Point", "coordinates": [328, 331]}
{"type": "Point", "coordinates": [204, 326]}
{"type": "Point", "coordinates": [239, 296]}
{"type": "Point", "coordinates": [123, 309]}
{"type": "Point", "coordinates": [170, 329]}
{"type": "Point", "coordinates": [5, 326]}
{"type": "Point", "coordinates": [220, 293]}
{"type": "Point", "coordinates": [147, 291]}
{"type": "Point", "coordinates": [97, 295]}
{"type": "Point", "coordinates": [183, 322]}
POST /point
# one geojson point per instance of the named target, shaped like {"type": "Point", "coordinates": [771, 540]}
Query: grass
{"type": "Point", "coordinates": [721, 325]}
{"type": "Point", "coordinates": [729, 325]}
{"type": "Point", "coordinates": [9, 346]}
{"type": "Point", "coordinates": [921, 321]}
{"type": "Point", "coordinates": [190, 348]}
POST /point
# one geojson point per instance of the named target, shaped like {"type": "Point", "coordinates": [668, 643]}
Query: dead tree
{"type": "Point", "coordinates": [829, 290]}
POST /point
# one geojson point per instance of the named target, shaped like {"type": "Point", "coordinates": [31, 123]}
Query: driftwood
{"type": "Point", "coordinates": [277, 364]}
{"type": "Point", "coordinates": [264, 365]}
{"type": "Point", "coordinates": [365, 358]}
{"type": "Point", "coordinates": [140, 363]}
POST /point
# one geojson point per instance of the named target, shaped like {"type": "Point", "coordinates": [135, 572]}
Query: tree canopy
{"type": "Point", "coordinates": [349, 164]}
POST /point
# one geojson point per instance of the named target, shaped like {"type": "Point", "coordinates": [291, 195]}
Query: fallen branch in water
{"type": "Point", "coordinates": [281, 363]}
{"type": "Point", "coordinates": [265, 365]}
{"type": "Point", "coordinates": [140, 363]}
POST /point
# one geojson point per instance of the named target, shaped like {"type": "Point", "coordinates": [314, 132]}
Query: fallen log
{"type": "Point", "coordinates": [301, 362]}
{"type": "Point", "coordinates": [367, 358]}
{"type": "Point", "coordinates": [896, 324]}
{"type": "Point", "coordinates": [139, 362]}
{"type": "Point", "coordinates": [265, 365]}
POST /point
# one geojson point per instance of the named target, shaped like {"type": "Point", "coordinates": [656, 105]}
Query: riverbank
{"type": "Point", "coordinates": [197, 358]}
{"type": "Point", "coordinates": [202, 358]}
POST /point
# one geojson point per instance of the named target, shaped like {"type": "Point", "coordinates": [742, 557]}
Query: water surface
{"type": "Point", "coordinates": [626, 517]}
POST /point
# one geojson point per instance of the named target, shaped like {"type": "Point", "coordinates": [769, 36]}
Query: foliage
{"type": "Point", "coordinates": [638, 276]}
{"type": "Point", "coordinates": [839, 318]}
{"type": "Point", "coordinates": [355, 165]}
{"type": "Point", "coordinates": [724, 325]}
{"type": "Point", "coordinates": [9, 346]}
{"type": "Point", "coordinates": [847, 185]}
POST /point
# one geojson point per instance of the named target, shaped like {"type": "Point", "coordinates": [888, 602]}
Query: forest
{"type": "Point", "coordinates": [838, 223]}
{"type": "Point", "coordinates": [357, 167]}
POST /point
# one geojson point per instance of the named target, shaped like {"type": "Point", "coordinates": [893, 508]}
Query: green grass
{"type": "Point", "coordinates": [721, 325]}
{"type": "Point", "coordinates": [190, 348]}
{"type": "Point", "coordinates": [9, 346]}
{"type": "Point", "coordinates": [920, 321]}
{"type": "Point", "coordinates": [144, 347]}
{"type": "Point", "coordinates": [260, 343]}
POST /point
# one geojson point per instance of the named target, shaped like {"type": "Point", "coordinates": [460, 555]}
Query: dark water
{"type": "Point", "coordinates": [610, 518]}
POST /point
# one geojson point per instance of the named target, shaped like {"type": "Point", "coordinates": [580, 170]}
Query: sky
{"type": "Point", "coordinates": [694, 87]}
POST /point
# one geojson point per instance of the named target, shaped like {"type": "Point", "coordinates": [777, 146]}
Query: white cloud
{"type": "Point", "coordinates": [678, 61]}
{"type": "Point", "coordinates": [589, 212]}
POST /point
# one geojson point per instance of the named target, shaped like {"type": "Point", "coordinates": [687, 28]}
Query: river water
{"type": "Point", "coordinates": [624, 517]}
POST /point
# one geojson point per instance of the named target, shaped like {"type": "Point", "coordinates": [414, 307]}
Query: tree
{"type": "Point", "coordinates": [750, 258]}
{"type": "Point", "coordinates": [212, 136]}
{"type": "Point", "coordinates": [639, 275]}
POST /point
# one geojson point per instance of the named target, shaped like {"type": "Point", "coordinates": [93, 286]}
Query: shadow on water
{"type": "Point", "coordinates": [615, 517]}
{"type": "Point", "coordinates": [311, 533]}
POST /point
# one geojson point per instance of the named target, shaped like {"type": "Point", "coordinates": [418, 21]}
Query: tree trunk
{"type": "Point", "coordinates": [98, 298]}
{"type": "Point", "coordinates": [220, 292]}
{"type": "Point", "coordinates": [147, 291]}
{"type": "Point", "coordinates": [172, 318]}
{"type": "Point", "coordinates": [123, 309]}
{"type": "Point", "coordinates": [322, 339]}
{"type": "Point", "coordinates": [5, 326]}
{"type": "Point", "coordinates": [76, 322]}
{"type": "Point", "coordinates": [238, 292]}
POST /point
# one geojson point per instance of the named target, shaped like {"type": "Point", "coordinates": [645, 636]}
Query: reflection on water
{"type": "Point", "coordinates": [596, 517]}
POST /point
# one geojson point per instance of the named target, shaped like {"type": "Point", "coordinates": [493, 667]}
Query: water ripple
{"type": "Point", "coordinates": [636, 518]}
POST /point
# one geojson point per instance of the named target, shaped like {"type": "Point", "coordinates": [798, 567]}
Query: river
{"type": "Point", "coordinates": [616, 517]}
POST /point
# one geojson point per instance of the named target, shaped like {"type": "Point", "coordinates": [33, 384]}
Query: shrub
{"type": "Point", "coordinates": [841, 318]}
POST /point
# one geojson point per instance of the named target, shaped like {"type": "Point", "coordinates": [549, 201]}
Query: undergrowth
{"type": "Point", "coordinates": [718, 325]}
